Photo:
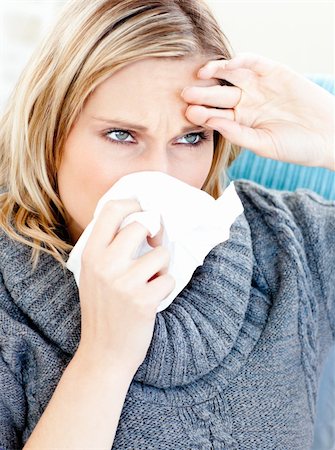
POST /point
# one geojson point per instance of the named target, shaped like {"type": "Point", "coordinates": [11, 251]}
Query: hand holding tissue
{"type": "Point", "coordinates": [193, 222]}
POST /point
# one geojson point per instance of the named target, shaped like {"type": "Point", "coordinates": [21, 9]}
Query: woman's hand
{"type": "Point", "coordinates": [270, 110]}
{"type": "Point", "coordinates": [119, 295]}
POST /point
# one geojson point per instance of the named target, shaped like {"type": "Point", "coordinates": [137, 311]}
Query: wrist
{"type": "Point", "coordinates": [103, 364]}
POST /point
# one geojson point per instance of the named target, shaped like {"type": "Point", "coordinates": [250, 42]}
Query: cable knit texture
{"type": "Point", "coordinates": [234, 361]}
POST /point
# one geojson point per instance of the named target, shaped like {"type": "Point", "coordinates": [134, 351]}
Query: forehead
{"type": "Point", "coordinates": [157, 76]}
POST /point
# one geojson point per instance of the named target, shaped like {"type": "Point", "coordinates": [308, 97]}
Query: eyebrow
{"type": "Point", "coordinates": [133, 126]}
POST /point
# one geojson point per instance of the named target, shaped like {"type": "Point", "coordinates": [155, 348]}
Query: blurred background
{"type": "Point", "coordinates": [297, 33]}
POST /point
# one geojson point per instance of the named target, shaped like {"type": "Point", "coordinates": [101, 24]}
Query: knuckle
{"type": "Point", "coordinates": [113, 206]}
{"type": "Point", "coordinates": [122, 205]}
{"type": "Point", "coordinates": [98, 268]}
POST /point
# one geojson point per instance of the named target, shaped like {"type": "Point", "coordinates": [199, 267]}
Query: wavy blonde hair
{"type": "Point", "coordinates": [90, 41]}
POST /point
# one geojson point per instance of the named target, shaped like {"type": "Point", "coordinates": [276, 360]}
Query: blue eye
{"type": "Point", "coordinates": [192, 135]}
{"type": "Point", "coordinates": [122, 137]}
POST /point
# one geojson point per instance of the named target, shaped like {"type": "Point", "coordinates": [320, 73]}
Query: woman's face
{"type": "Point", "coordinates": [142, 103]}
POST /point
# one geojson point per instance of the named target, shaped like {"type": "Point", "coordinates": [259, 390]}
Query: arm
{"type": "Point", "coordinates": [118, 317]}
{"type": "Point", "coordinates": [84, 411]}
{"type": "Point", "coordinates": [85, 408]}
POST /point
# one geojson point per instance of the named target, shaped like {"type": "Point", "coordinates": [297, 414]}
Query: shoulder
{"type": "Point", "coordinates": [12, 253]}
{"type": "Point", "coordinates": [254, 193]}
{"type": "Point", "coordinates": [302, 208]}
{"type": "Point", "coordinates": [299, 225]}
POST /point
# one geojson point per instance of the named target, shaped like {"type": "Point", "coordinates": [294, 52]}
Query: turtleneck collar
{"type": "Point", "coordinates": [211, 322]}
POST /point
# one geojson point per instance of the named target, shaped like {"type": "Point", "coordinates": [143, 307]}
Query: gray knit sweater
{"type": "Point", "coordinates": [235, 360]}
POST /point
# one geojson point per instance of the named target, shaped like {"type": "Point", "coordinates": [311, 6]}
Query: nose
{"type": "Point", "coordinates": [156, 159]}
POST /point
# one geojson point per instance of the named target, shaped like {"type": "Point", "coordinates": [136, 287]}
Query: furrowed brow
{"type": "Point", "coordinates": [134, 126]}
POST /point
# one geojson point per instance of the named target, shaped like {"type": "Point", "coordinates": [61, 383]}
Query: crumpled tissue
{"type": "Point", "coordinates": [193, 222]}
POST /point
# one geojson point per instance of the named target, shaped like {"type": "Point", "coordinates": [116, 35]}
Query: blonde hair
{"type": "Point", "coordinates": [90, 41]}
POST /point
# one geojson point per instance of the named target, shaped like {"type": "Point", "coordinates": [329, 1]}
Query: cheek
{"type": "Point", "coordinates": [206, 167]}
{"type": "Point", "coordinates": [82, 179]}
{"type": "Point", "coordinates": [197, 172]}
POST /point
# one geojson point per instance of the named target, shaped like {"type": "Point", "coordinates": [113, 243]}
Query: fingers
{"type": "Point", "coordinates": [251, 61]}
{"type": "Point", "coordinates": [200, 114]}
{"type": "Point", "coordinates": [108, 223]}
{"type": "Point", "coordinates": [256, 63]}
{"type": "Point", "coordinates": [218, 96]}
{"type": "Point", "coordinates": [256, 140]}
{"type": "Point", "coordinates": [128, 240]}
{"type": "Point", "coordinates": [242, 71]}
{"type": "Point", "coordinates": [156, 261]}
{"type": "Point", "coordinates": [233, 131]}
{"type": "Point", "coordinates": [164, 284]}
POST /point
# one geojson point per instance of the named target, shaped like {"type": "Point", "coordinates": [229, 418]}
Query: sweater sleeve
{"type": "Point", "coordinates": [315, 217]}
{"type": "Point", "coordinates": [12, 395]}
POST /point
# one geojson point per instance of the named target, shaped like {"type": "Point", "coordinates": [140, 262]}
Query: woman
{"type": "Point", "coordinates": [234, 361]}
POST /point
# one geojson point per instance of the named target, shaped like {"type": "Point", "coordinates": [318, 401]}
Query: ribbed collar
{"type": "Point", "coordinates": [212, 321]}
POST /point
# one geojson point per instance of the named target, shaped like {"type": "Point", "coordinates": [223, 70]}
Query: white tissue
{"type": "Point", "coordinates": [193, 221]}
